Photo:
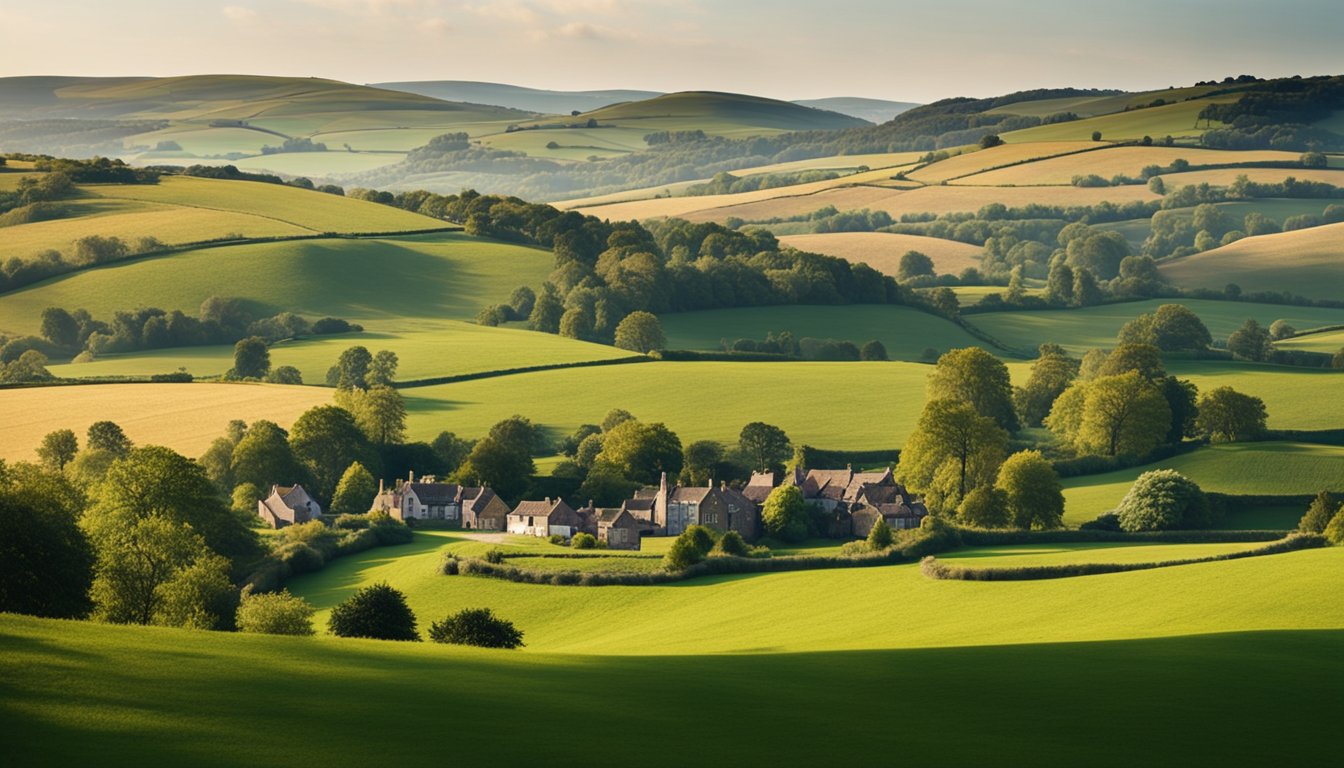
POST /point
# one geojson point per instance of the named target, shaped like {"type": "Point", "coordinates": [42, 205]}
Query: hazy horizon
{"type": "Point", "coordinates": [786, 50]}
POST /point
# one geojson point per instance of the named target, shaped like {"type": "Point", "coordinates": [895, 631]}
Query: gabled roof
{"type": "Point", "coordinates": [860, 479]}
{"type": "Point", "coordinates": [433, 493]}
{"type": "Point", "coordinates": [542, 508]}
{"type": "Point", "coordinates": [759, 487]}
{"type": "Point", "coordinates": [688, 495]}
{"type": "Point", "coordinates": [476, 499]}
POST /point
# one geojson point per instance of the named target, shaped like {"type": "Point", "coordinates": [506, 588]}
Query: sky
{"type": "Point", "coordinates": [792, 49]}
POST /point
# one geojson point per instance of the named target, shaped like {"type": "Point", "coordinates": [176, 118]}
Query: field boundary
{"type": "Point", "coordinates": [431, 382]}
{"type": "Point", "coordinates": [933, 569]}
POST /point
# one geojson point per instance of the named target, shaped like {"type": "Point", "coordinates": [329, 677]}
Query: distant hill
{"type": "Point", "coordinates": [713, 106]}
{"type": "Point", "coordinates": [517, 96]}
{"type": "Point", "coordinates": [872, 110]}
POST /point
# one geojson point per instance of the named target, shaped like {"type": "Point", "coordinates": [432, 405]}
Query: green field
{"type": "Point", "coordinates": [1296, 398]}
{"type": "Point", "coordinates": [1176, 120]}
{"type": "Point", "coordinates": [1270, 469]}
{"type": "Point", "coordinates": [905, 332]}
{"type": "Point", "coordinates": [429, 276]}
{"type": "Point", "coordinates": [1014, 555]}
{"type": "Point", "coordinates": [1329, 342]}
{"type": "Point", "coordinates": [87, 693]}
{"type": "Point", "coordinates": [1081, 329]}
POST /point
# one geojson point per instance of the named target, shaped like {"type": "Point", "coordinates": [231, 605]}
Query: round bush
{"type": "Point", "coordinates": [377, 611]}
{"type": "Point", "coordinates": [278, 613]}
{"type": "Point", "coordinates": [478, 627]}
{"type": "Point", "coordinates": [1163, 500]}
{"type": "Point", "coordinates": [583, 541]}
{"type": "Point", "coordinates": [732, 544]}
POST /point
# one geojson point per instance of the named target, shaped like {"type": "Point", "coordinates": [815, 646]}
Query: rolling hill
{"type": "Point", "coordinates": [722, 113]}
{"type": "Point", "coordinates": [1307, 262]}
{"type": "Point", "coordinates": [539, 100]}
{"type": "Point", "coordinates": [872, 110]}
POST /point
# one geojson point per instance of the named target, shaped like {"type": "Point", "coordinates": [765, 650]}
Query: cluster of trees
{"type": "Point", "coordinates": [1325, 516]}
{"type": "Point", "coordinates": [1181, 233]}
{"type": "Point", "coordinates": [784, 344]}
{"type": "Point", "coordinates": [29, 366]}
{"type": "Point", "coordinates": [219, 321]}
{"type": "Point", "coordinates": [725, 183]}
{"type": "Point", "coordinates": [698, 542]}
{"type": "Point", "coordinates": [380, 612]}
{"type": "Point", "coordinates": [299, 144]}
{"type": "Point", "coordinates": [1278, 115]}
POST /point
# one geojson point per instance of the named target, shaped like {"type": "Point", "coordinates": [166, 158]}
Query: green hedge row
{"type": "Point", "coordinates": [512, 371]}
{"type": "Point", "coordinates": [292, 558]}
{"type": "Point", "coordinates": [975, 537]}
{"type": "Point", "coordinates": [933, 569]}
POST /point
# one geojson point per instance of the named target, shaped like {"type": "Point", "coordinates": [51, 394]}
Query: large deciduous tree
{"type": "Point", "coordinates": [640, 331]}
{"type": "Point", "coordinates": [58, 449]}
{"type": "Point", "coordinates": [1228, 416]}
{"type": "Point", "coordinates": [264, 458]}
{"type": "Point", "coordinates": [641, 451]}
{"type": "Point", "coordinates": [979, 379]}
{"type": "Point", "coordinates": [1051, 374]}
{"type": "Point", "coordinates": [952, 451]}
{"type": "Point", "coordinates": [251, 359]}
{"type": "Point", "coordinates": [784, 514]}
{"type": "Point", "coordinates": [765, 445]}
{"type": "Point", "coordinates": [1033, 494]}
{"type": "Point", "coordinates": [327, 441]}
{"type": "Point", "coordinates": [1124, 414]}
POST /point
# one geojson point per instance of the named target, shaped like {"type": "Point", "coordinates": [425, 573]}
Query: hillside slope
{"type": "Point", "coordinates": [517, 96]}
{"type": "Point", "coordinates": [1308, 262]}
{"type": "Point", "coordinates": [734, 108]}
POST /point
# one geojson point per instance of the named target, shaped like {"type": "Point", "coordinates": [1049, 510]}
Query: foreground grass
{"type": "Point", "coordinates": [85, 693]}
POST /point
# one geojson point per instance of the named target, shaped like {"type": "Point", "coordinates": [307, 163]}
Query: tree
{"type": "Point", "coordinates": [1032, 492]}
{"type": "Point", "coordinates": [1144, 359]}
{"type": "Point", "coordinates": [523, 299]}
{"type": "Point", "coordinates": [451, 450]}
{"type": "Point", "coordinates": [985, 507]}
{"type": "Point", "coordinates": [640, 332]}
{"type": "Point", "coordinates": [1250, 342]}
{"type": "Point", "coordinates": [264, 457]}
{"type": "Point", "coordinates": [1228, 416]}
{"type": "Point", "coordinates": [46, 563]}
{"type": "Point", "coordinates": [276, 613]}
{"type": "Point", "coordinates": [873, 350]}
{"type": "Point", "coordinates": [1059, 283]}
{"type": "Point", "coordinates": [1096, 135]}
{"type": "Point", "coordinates": [1163, 500]}
{"type": "Point", "coordinates": [952, 451]}
{"type": "Point", "coordinates": [285, 374]}
{"type": "Point", "coordinates": [382, 369]}
{"type": "Point", "coordinates": [351, 370]}
{"type": "Point", "coordinates": [642, 452]}
{"type": "Point", "coordinates": [546, 311]}
{"type": "Point", "coordinates": [58, 449]}
{"type": "Point", "coordinates": [784, 515]}
{"type": "Point", "coordinates": [765, 445]}
{"type": "Point", "coordinates": [60, 327]}
{"type": "Point", "coordinates": [1181, 396]}
{"type": "Point", "coordinates": [576, 323]}
{"type": "Point", "coordinates": [1124, 414]}
{"type": "Point", "coordinates": [1334, 531]}
{"type": "Point", "coordinates": [30, 366]}
{"type": "Point", "coordinates": [251, 359]}
{"type": "Point", "coordinates": [107, 436]}
{"type": "Point", "coordinates": [614, 417]}
{"type": "Point", "coordinates": [199, 596]}
{"type": "Point", "coordinates": [732, 544]}
{"type": "Point", "coordinates": [682, 554]}
{"type": "Point", "coordinates": [979, 379]}
{"type": "Point", "coordinates": [138, 558]}
{"type": "Point", "coordinates": [478, 627]}
{"type": "Point", "coordinates": [1170, 328]}
{"type": "Point", "coordinates": [379, 411]}
{"type": "Point", "coordinates": [1280, 329]}
{"type": "Point", "coordinates": [914, 264]}
{"type": "Point", "coordinates": [879, 538]}
{"type": "Point", "coordinates": [606, 487]}
{"type": "Point", "coordinates": [505, 468]}
{"type": "Point", "coordinates": [1051, 374]}
{"type": "Point", "coordinates": [377, 611]}
{"type": "Point", "coordinates": [1319, 513]}
{"type": "Point", "coordinates": [699, 462]}
{"type": "Point", "coordinates": [326, 440]}
{"type": "Point", "coordinates": [990, 140]}
{"type": "Point", "coordinates": [355, 491]}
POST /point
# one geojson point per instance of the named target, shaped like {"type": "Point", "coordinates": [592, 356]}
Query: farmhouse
{"type": "Point", "coordinates": [676, 508]}
{"type": "Point", "coordinates": [428, 499]}
{"type": "Point", "coordinates": [544, 518]}
{"type": "Point", "coordinates": [482, 510]}
{"type": "Point", "coordinates": [621, 528]}
{"type": "Point", "coordinates": [852, 501]}
{"type": "Point", "coordinates": [288, 505]}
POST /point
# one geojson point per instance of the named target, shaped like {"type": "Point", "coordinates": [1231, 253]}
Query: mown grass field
{"type": "Point", "coordinates": [1307, 262]}
{"type": "Point", "coordinates": [856, 406]}
{"type": "Point", "coordinates": [1269, 469]}
{"type": "Point", "coordinates": [80, 693]}
{"type": "Point", "coordinates": [1081, 329]}
{"type": "Point", "coordinates": [1121, 160]}
{"type": "Point", "coordinates": [1296, 398]}
{"type": "Point", "coordinates": [184, 417]}
{"type": "Point", "coordinates": [1327, 341]}
{"type": "Point", "coordinates": [905, 332]}
{"type": "Point", "coordinates": [1177, 120]}
{"type": "Point", "coordinates": [446, 275]}
{"type": "Point", "coordinates": [883, 250]}
{"type": "Point", "coordinates": [425, 349]}
{"type": "Point", "coordinates": [1014, 555]}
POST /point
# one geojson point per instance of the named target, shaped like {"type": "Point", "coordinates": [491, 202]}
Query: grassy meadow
{"type": "Point", "coordinates": [1306, 262]}
{"type": "Point", "coordinates": [883, 250]}
{"type": "Point", "coordinates": [1329, 342]}
{"type": "Point", "coordinates": [184, 417]}
{"type": "Point", "coordinates": [1127, 160]}
{"type": "Point", "coordinates": [1178, 120]}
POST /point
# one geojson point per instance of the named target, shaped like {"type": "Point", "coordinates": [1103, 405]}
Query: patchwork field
{"type": "Point", "coordinates": [1329, 342]}
{"type": "Point", "coordinates": [1177, 120]}
{"type": "Point", "coordinates": [1307, 262]}
{"type": "Point", "coordinates": [1271, 469]}
{"type": "Point", "coordinates": [883, 250]}
{"type": "Point", "coordinates": [905, 332]}
{"type": "Point", "coordinates": [975, 162]}
{"type": "Point", "coordinates": [1225, 176]}
{"type": "Point", "coordinates": [1122, 160]}
{"type": "Point", "coordinates": [184, 417]}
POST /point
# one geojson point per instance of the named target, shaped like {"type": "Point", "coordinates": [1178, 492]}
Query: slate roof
{"type": "Point", "coordinates": [436, 494]}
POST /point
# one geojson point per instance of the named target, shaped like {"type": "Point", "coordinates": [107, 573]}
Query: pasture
{"type": "Point", "coordinates": [905, 332]}
{"type": "Point", "coordinates": [1306, 262]}
{"type": "Point", "coordinates": [974, 162]}
{"type": "Point", "coordinates": [883, 250]}
{"type": "Point", "coordinates": [78, 693]}
{"type": "Point", "coordinates": [1177, 120]}
{"type": "Point", "coordinates": [1328, 342]}
{"type": "Point", "coordinates": [1270, 469]}
{"type": "Point", "coordinates": [184, 417]}
{"type": "Point", "coordinates": [1296, 398]}
{"type": "Point", "coordinates": [1128, 161]}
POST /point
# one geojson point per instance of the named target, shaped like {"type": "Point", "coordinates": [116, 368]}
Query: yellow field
{"type": "Point", "coordinates": [994, 157]}
{"type": "Point", "coordinates": [1088, 106]}
{"type": "Point", "coordinates": [185, 417]}
{"type": "Point", "coordinates": [9, 179]}
{"type": "Point", "coordinates": [1177, 120]}
{"type": "Point", "coordinates": [1120, 160]}
{"type": "Point", "coordinates": [1329, 342]}
{"type": "Point", "coordinates": [1225, 176]}
{"type": "Point", "coordinates": [1309, 262]}
{"type": "Point", "coordinates": [883, 250]}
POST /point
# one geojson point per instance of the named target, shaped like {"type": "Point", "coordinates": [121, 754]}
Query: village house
{"type": "Point", "coordinates": [552, 517]}
{"type": "Point", "coordinates": [852, 501]}
{"type": "Point", "coordinates": [676, 508]}
{"type": "Point", "coordinates": [622, 527]}
{"type": "Point", "coordinates": [429, 499]}
{"type": "Point", "coordinates": [482, 510]}
{"type": "Point", "coordinates": [288, 505]}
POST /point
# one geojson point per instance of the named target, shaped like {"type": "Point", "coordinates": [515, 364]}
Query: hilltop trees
{"type": "Point", "coordinates": [351, 369]}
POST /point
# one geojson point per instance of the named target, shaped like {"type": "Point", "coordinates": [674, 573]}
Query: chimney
{"type": "Point", "coordinates": [662, 482]}
{"type": "Point", "coordinates": [411, 475]}
{"type": "Point", "coordinates": [723, 485]}
{"type": "Point", "coordinates": [548, 501]}
{"type": "Point", "coordinates": [380, 486]}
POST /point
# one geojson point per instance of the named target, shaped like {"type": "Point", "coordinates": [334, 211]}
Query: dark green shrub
{"type": "Point", "coordinates": [732, 544]}
{"type": "Point", "coordinates": [880, 536]}
{"type": "Point", "coordinates": [682, 555]}
{"type": "Point", "coordinates": [1107, 522]}
{"type": "Point", "coordinates": [378, 612]}
{"type": "Point", "coordinates": [557, 539]}
{"type": "Point", "coordinates": [495, 556]}
{"type": "Point", "coordinates": [352, 522]}
{"type": "Point", "coordinates": [583, 541]}
{"type": "Point", "coordinates": [478, 627]}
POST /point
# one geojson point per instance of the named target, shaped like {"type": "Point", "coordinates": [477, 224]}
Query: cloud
{"type": "Point", "coordinates": [238, 13]}
{"type": "Point", "coordinates": [516, 12]}
{"type": "Point", "coordinates": [435, 26]}
{"type": "Point", "coordinates": [371, 7]}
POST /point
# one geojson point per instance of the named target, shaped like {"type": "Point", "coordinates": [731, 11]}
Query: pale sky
{"type": "Point", "coordinates": [906, 51]}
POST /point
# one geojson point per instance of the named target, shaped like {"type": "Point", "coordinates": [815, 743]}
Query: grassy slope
{"type": "Point", "coordinates": [185, 417]}
{"type": "Point", "coordinates": [1296, 398]}
{"type": "Point", "coordinates": [1004, 154]}
{"type": "Point", "coordinates": [883, 250]}
{"type": "Point", "coordinates": [720, 113]}
{"type": "Point", "coordinates": [1080, 329]}
{"type": "Point", "coordinates": [1117, 160]}
{"type": "Point", "coordinates": [905, 332]}
{"type": "Point", "coordinates": [829, 405]}
{"type": "Point", "coordinates": [78, 693]}
{"type": "Point", "coordinates": [1246, 468]}
{"type": "Point", "coordinates": [1177, 120]}
{"type": "Point", "coordinates": [1306, 261]}
{"type": "Point", "coordinates": [1326, 341]}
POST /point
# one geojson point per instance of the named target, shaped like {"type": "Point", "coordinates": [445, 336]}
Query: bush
{"type": "Point", "coordinates": [583, 541]}
{"type": "Point", "coordinates": [1334, 532]}
{"type": "Point", "coordinates": [1319, 514]}
{"type": "Point", "coordinates": [556, 538]}
{"type": "Point", "coordinates": [880, 537]}
{"type": "Point", "coordinates": [350, 522]}
{"type": "Point", "coordinates": [731, 544]}
{"type": "Point", "coordinates": [277, 613]}
{"type": "Point", "coordinates": [1163, 500]}
{"type": "Point", "coordinates": [378, 612]}
{"type": "Point", "coordinates": [690, 548]}
{"type": "Point", "coordinates": [495, 556]}
{"type": "Point", "coordinates": [478, 627]}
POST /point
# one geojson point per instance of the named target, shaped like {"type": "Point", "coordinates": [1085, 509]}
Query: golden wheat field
{"type": "Point", "coordinates": [1116, 160]}
{"type": "Point", "coordinates": [184, 417]}
{"type": "Point", "coordinates": [1309, 262]}
{"type": "Point", "coordinates": [883, 250]}
{"type": "Point", "coordinates": [995, 157]}
{"type": "Point", "coordinates": [1225, 176]}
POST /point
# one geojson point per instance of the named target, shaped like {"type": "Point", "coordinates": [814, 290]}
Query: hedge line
{"type": "Point", "coordinates": [1095, 465]}
{"type": "Point", "coordinates": [807, 456]}
{"type": "Point", "coordinates": [933, 569]}
{"type": "Point", "coordinates": [975, 537]}
{"type": "Point", "coordinates": [292, 558]}
{"type": "Point", "coordinates": [691, 355]}
{"type": "Point", "coordinates": [512, 371]}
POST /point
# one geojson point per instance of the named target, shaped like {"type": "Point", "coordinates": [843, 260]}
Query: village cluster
{"type": "Point", "coordinates": [852, 501]}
